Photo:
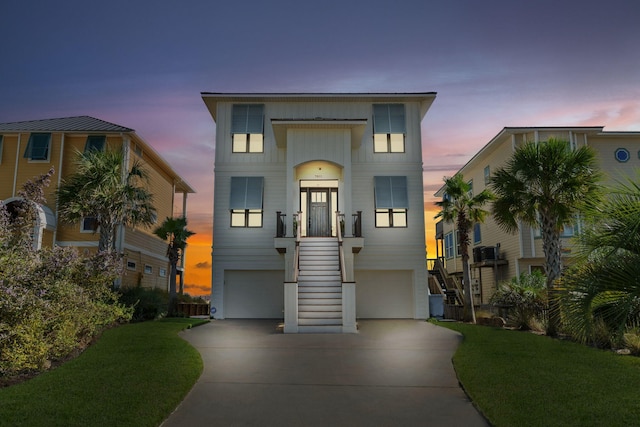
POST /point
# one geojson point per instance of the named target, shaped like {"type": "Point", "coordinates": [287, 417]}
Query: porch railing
{"type": "Point", "coordinates": [281, 225]}
{"type": "Point", "coordinates": [296, 256]}
{"type": "Point", "coordinates": [339, 222]}
{"type": "Point", "coordinates": [357, 224]}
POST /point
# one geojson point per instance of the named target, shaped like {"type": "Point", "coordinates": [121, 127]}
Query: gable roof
{"type": "Point", "coordinates": [65, 124]}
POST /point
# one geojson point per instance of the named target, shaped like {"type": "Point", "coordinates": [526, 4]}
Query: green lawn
{"type": "Point", "coordinates": [135, 375]}
{"type": "Point", "coordinates": [522, 379]}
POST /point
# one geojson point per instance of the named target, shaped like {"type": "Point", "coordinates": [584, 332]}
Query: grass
{"type": "Point", "coordinates": [135, 375]}
{"type": "Point", "coordinates": [522, 379]}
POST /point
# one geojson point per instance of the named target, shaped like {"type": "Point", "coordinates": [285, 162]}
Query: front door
{"type": "Point", "coordinates": [319, 213]}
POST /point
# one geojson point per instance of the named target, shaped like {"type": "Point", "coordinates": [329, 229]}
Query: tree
{"type": "Point", "coordinates": [545, 185]}
{"type": "Point", "coordinates": [175, 231]}
{"type": "Point", "coordinates": [461, 207]}
{"type": "Point", "coordinates": [20, 217]}
{"type": "Point", "coordinates": [102, 188]}
{"type": "Point", "coordinates": [602, 289]}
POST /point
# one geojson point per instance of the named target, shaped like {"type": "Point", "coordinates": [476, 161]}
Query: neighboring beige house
{"type": "Point", "coordinates": [319, 208]}
{"type": "Point", "coordinates": [31, 148]}
{"type": "Point", "coordinates": [497, 256]}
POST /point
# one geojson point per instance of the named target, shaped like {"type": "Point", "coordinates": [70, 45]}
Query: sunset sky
{"type": "Point", "coordinates": [493, 63]}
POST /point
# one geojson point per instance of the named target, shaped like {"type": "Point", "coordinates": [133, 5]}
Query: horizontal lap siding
{"type": "Point", "coordinates": [8, 165]}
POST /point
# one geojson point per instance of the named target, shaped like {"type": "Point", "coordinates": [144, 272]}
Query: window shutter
{"type": "Point", "coordinates": [38, 146]}
{"type": "Point", "coordinates": [388, 118]}
{"type": "Point", "coordinates": [247, 119]}
{"type": "Point", "coordinates": [246, 192]}
{"type": "Point", "coordinates": [391, 192]}
{"type": "Point", "coordinates": [95, 142]}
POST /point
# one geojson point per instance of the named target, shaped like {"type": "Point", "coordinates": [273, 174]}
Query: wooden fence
{"type": "Point", "coordinates": [193, 309]}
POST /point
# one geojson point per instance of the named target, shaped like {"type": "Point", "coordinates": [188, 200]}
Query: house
{"type": "Point", "coordinates": [319, 208]}
{"type": "Point", "coordinates": [31, 148]}
{"type": "Point", "coordinates": [497, 256]}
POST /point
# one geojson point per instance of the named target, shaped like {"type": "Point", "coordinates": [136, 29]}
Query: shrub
{"type": "Point", "coordinates": [526, 299]}
{"type": "Point", "coordinates": [147, 304]}
{"type": "Point", "coordinates": [47, 311]}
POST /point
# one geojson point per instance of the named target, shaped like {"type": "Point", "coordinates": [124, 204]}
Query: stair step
{"type": "Point", "coordinates": [317, 308]}
{"type": "Point", "coordinates": [320, 315]}
{"type": "Point", "coordinates": [320, 329]}
{"type": "Point", "coordinates": [316, 289]}
{"type": "Point", "coordinates": [319, 301]}
{"type": "Point", "coordinates": [319, 322]}
{"type": "Point", "coordinates": [321, 295]}
{"type": "Point", "coordinates": [318, 267]}
{"type": "Point", "coordinates": [307, 272]}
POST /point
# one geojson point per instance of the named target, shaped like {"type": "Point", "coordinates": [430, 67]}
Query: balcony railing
{"type": "Point", "coordinates": [357, 224]}
{"type": "Point", "coordinates": [281, 225]}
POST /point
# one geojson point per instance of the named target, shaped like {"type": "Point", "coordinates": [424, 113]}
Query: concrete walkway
{"type": "Point", "coordinates": [392, 373]}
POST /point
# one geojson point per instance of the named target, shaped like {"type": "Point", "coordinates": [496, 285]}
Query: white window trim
{"type": "Point", "coordinates": [148, 269]}
{"type": "Point", "coordinates": [133, 267]}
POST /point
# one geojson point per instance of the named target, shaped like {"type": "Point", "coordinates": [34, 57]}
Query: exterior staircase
{"type": "Point", "coordinates": [319, 286]}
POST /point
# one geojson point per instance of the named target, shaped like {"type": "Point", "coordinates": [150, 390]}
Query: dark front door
{"type": "Point", "coordinates": [319, 210]}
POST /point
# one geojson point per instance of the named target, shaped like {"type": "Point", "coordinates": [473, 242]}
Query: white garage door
{"type": "Point", "coordinates": [253, 294]}
{"type": "Point", "coordinates": [384, 294]}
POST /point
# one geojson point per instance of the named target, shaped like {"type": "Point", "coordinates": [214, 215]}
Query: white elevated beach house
{"type": "Point", "coordinates": [319, 208]}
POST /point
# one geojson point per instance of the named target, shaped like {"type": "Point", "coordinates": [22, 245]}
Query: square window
{"type": "Point", "coordinates": [148, 269]}
{"type": "Point", "coordinates": [162, 272]}
{"type": "Point", "coordinates": [131, 265]}
{"type": "Point", "coordinates": [89, 225]}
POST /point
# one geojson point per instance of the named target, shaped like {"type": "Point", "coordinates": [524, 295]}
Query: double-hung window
{"type": "Point", "coordinates": [38, 146]}
{"type": "Point", "coordinates": [246, 201]}
{"type": "Point", "coordinates": [477, 236]}
{"type": "Point", "coordinates": [388, 128]}
{"type": "Point", "coordinates": [95, 143]}
{"type": "Point", "coordinates": [448, 245]}
{"type": "Point", "coordinates": [392, 201]}
{"type": "Point", "coordinates": [247, 128]}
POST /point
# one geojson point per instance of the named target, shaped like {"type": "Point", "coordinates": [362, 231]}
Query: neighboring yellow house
{"type": "Point", "coordinates": [497, 256]}
{"type": "Point", "coordinates": [31, 148]}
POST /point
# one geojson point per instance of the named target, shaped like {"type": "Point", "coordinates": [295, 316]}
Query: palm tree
{"type": "Point", "coordinates": [545, 185]}
{"type": "Point", "coordinates": [461, 207]}
{"type": "Point", "coordinates": [104, 189]}
{"type": "Point", "coordinates": [603, 288]}
{"type": "Point", "coordinates": [174, 230]}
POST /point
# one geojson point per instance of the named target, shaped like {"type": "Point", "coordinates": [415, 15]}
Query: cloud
{"type": "Point", "coordinates": [197, 289]}
{"type": "Point", "coordinates": [203, 265]}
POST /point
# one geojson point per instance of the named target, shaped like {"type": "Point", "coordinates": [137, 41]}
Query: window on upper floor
{"type": "Point", "coordinates": [477, 236]}
{"type": "Point", "coordinates": [448, 245]}
{"type": "Point", "coordinates": [89, 224]}
{"type": "Point", "coordinates": [470, 192]}
{"type": "Point", "coordinates": [148, 269]}
{"type": "Point", "coordinates": [487, 174]}
{"type": "Point", "coordinates": [389, 128]}
{"type": "Point", "coordinates": [246, 201]}
{"type": "Point", "coordinates": [38, 146]}
{"type": "Point", "coordinates": [95, 142]}
{"type": "Point", "coordinates": [247, 128]}
{"type": "Point", "coordinates": [391, 200]}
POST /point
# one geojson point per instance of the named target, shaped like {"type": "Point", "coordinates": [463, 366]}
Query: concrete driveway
{"type": "Point", "coordinates": [392, 373]}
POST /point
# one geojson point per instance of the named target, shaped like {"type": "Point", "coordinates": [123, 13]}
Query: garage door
{"type": "Point", "coordinates": [253, 294]}
{"type": "Point", "coordinates": [384, 294]}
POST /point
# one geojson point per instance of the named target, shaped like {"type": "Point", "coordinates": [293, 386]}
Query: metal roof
{"type": "Point", "coordinates": [65, 124]}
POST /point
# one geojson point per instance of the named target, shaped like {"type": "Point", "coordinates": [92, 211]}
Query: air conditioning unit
{"type": "Point", "coordinates": [477, 253]}
{"type": "Point", "coordinates": [488, 253]}
{"type": "Point", "coordinates": [475, 286]}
